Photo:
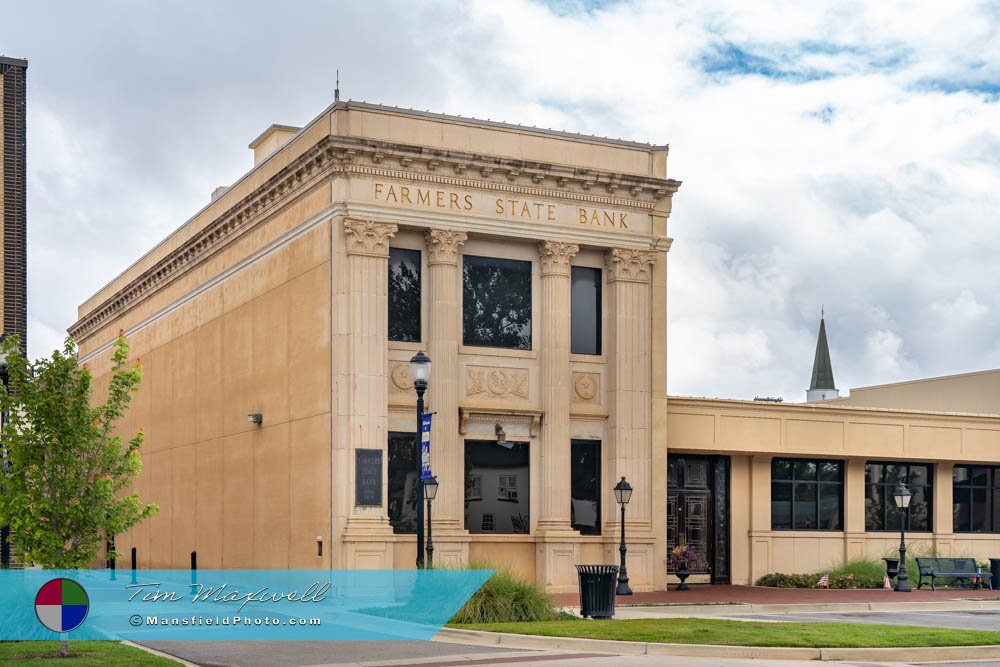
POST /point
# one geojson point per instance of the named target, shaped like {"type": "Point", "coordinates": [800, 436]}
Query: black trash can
{"type": "Point", "coordinates": [995, 571]}
{"type": "Point", "coordinates": [597, 590]}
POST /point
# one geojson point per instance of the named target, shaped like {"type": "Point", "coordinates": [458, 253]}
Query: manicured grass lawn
{"type": "Point", "coordinates": [748, 633]}
{"type": "Point", "coordinates": [46, 654]}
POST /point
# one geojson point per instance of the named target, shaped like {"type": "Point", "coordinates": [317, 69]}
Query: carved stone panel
{"type": "Point", "coordinates": [586, 388]}
{"type": "Point", "coordinates": [496, 383]}
{"type": "Point", "coordinates": [400, 380]}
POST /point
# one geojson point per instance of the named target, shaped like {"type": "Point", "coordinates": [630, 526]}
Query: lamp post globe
{"type": "Point", "coordinates": [623, 494]}
{"type": "Point", "coordinates": [420, 370]}
{"type": "Point", "coordinates": [902, 497]}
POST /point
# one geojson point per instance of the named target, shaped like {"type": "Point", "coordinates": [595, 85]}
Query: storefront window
{"type": "Point", "coordinates": [881, 480]}
{"type": "Point", "coordinates": [976, 499]}
{"type": "Point", "coordinates": [806, 494]}
{"type": "Point", "coordinates": [585, 486]}
{"type": "Point", "coordinates": [404, 295]}
{"type": "Point", "coordinates": [586, 307]}
{"type": "Point", "coordinates": [497, 480]}
{"type": "Point", "coordinates": [496, 302]}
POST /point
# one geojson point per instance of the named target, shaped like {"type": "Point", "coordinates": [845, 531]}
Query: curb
{"type": "Point", "coordinates": [161, 654]}
{"type": "Point", "coordinates": [911, 654]}
{"type": "Point", "coordinates": [692, 610]}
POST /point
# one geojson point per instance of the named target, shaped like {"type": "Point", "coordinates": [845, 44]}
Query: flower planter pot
{"type": "Point", "coordinates": [683, 574]}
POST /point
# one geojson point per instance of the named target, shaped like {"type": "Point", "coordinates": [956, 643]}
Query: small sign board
{"type": "Point", "coordinates": [368, 477]}
{"type": "Point", "coordinates": [425, 446]}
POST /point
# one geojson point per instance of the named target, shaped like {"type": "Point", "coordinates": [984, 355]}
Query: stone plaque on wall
{"type": "Point", "coordinates": [368, 477]}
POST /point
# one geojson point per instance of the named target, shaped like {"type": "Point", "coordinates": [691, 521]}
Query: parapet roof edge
{"type": "Point", "coordinates": [767, 405]}
{"type": "Point", "coordinates": [930, 379]}
{"type": "Point", "coordinates": [352, 104]}
{"type": "Point", "coordinates": [7, 60]}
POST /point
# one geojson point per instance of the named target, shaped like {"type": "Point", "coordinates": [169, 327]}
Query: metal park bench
{"type": "Point", "coordinates": [959, 569]}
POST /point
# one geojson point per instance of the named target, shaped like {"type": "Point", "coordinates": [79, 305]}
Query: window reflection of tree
{"type": "Point", "coordinates": [402, 474]}
{"type": "Point", "coordinates": [585, 486]}
{"type": "Point", "coordinates": [404, 295]}
{"type": "Point", "coordinates": [881, 480]}
{"type": "Point", "coordinates": [496, 308]}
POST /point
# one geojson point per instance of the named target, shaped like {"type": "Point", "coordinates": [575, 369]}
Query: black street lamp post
{"type": "Point", "coordinates": [4, 530]}
{"type": "Point", "coordinates": [623, 493]}
{"type": "Point", "coordinates": [420, 370]}
{"type": "Point", "coordinates": [430, 492]}
{"type": "Point", "coordinates": [902, 497]}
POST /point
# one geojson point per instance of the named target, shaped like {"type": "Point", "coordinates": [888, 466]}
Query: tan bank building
{"type": "Point", "coordinates": [531, 266]}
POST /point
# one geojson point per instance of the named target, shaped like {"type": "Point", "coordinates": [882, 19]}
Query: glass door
{"type": "Point", "coordinates": [697, 510]}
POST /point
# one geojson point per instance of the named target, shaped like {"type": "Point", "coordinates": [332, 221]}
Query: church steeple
{"type": "Point", "coordinates": [822, 385]}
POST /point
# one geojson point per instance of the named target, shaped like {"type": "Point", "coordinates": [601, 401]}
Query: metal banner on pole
{"type": "Point", "coordinates": [425, 446]}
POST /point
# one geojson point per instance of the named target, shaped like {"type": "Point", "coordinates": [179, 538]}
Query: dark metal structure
{"type": "Point", "coordinates": [13, 196]}
{"type": "Point", "coordinates": [13, 218]}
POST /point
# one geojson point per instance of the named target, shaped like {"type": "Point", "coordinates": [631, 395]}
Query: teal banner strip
{"type": "Point", "coordinates": [233, 604]}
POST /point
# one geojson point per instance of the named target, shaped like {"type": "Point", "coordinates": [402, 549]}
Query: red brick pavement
{"type": "Point", "coordinates": [708, 594]}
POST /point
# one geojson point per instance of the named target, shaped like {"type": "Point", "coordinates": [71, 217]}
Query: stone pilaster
{"type": "Point", "coordinates": [854, 509]}
{"type": "Point", "coordinates": [362, 371]}
{"type": "Point", "coordinates": [554, 514]}
{"type": "Point", "coordinates": [629, 374]}
{"type": "Point", "coordinates": [630, 404]}
{"type": "Point", "coordinates": [444, 335]}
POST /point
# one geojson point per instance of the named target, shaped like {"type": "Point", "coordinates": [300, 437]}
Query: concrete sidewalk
{"type": "Point", "coordinates": [706, 594]}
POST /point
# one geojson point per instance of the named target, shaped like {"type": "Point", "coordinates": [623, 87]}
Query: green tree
{"type": "Point", "coordinates": [63, 491]}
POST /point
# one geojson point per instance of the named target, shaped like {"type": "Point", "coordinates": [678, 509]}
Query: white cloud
{"type": "Point", "coordinates": [833, 154]}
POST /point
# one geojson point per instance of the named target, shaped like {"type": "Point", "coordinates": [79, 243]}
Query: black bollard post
{"type": "Point", "coordinates": [133, 565]}
{"type": "Point", "coordinates": [111, 561]}
{"type": "Point", "coordinates": [194, 567]}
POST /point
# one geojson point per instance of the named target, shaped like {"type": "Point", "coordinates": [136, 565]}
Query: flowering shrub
{"type": "Point", "coordinates": [841, 580]}
{"type": "Point", "coordinates": [686, 557]}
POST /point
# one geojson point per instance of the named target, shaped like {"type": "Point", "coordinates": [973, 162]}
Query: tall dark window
{"type": "Point", "coordinates": [585, 486]}
{"type": "Point", "coordinates": [586, 317]}
{"type": "Point", "coordinates": [404, 295]}
{"type": "Point", "coordinates": [976, 499]}
{"type": "Point", "coordinates": [881, 480]}
{"type": "Point", "coordinates": [497, 483]}
{"type": "Point", "coordinates": [402, 475]}
{"type": "Point", "coordinates": [806, 494]}
{"type": "Point", "coordinates": [496, 302]}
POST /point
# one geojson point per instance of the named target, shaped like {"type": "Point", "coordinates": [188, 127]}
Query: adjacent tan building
{"type": "Point", "coordinates": [531, 266]}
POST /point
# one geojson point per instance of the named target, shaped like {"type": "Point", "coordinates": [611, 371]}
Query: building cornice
{"type": "Point", "coordinates": [767, 409]}
{"type": "Point", "coordinates": [351, 156]}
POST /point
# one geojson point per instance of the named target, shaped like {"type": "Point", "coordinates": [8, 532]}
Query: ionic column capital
{"type": "Point", "coordinates": [443, 245]}
{"type": "Point", "coordinates": [556, 257]}
{"type": "Point", "coordinates": [629, 264]}
{"type": "Point", "coordinates": [367, 237]}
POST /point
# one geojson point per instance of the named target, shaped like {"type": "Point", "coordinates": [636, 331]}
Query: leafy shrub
{"type": "Point", "coordinates": [849, 580]}
{"type": "Point", "coordinates": [506, 598]}
{"type": "Point", "coordinates": [779, 580]}
{"type": "Point", "coordinates": [857, 573]}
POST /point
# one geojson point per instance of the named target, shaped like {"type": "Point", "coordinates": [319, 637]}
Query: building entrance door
{"type": "Point", "coordinates": [698, 510]}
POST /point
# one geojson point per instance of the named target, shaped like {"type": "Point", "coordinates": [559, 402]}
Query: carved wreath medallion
{"type": "Point", "coordinates": [496, 382]}
{"type": "Point", "coordinates": [585, 386]}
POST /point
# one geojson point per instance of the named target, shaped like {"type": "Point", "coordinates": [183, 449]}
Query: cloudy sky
{"type": "Point", "coordinates": [844, 156]}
